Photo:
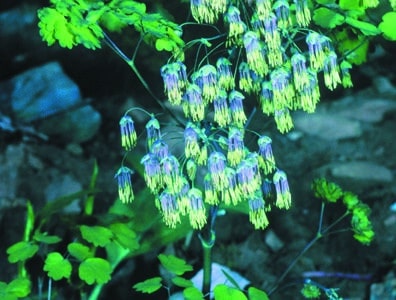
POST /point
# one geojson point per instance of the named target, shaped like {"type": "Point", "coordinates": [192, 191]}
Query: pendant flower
{"type": "Point", "coordinates": [125, 191]}
{"type": "Point", "coordinates": [128, 133]}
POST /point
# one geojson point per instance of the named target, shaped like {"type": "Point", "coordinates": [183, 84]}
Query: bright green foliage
{"type": "Point", "coordinates": [18, 288]}
{"type": "Point", "coordinates": [125, 236]}
{"type": "Point", "coordinates": [95, 269]}
{"type": "Point", "coordinates": [310, 291]}
{"type": "Point", "coordinates": [149, 286]}
{"type": "Point", "coordinates": [361, 224]}
{"type": "Point", "coordinates": [97, 235]}
{"type": "Point", "coordinates": [57, 266]}
{"type": "Point", "coordinates": [327, 18]}
{"type": "Point", "coordinates": [256, 294]}
{"type": "Point", "coordinates": [79, 251]}
{"type": "Point", "coordinates": [224, 292]}
{"type": "Point", "coordinates": [21, 251]}
{"type": "Point", "coordinates": [45, 238]}
{"type": "Point", "coordinates": [181, 282]}
{"type": "Point", "coordinates": [192, 293]}
{"type": "Point", "coordinates": [174, 264]}
{"type": "Point", "coordinates": [388, 25]}
{"type": "Point", "coordinates": [74, 22]}
{"type": "Point", "coordinates": [366, 28]}
{"type": "Point", "coordinates": [326, 190]}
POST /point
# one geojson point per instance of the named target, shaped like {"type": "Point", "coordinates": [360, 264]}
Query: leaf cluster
{"type": "Point", "coordinates": [74, 22]}
{"type": "Point", "coordinates": [349, 23]}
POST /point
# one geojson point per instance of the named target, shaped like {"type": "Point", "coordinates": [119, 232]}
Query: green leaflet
{"type": "Point", "coordinates": [192, 293]}
{"type": "Point", "coordinates": [97, 235]}
{"type": "Point", "coordinates": [149, 286]}
{"type": "Point", "coordinates": [79, 251]}
{"type": "Point", "coordinates": [57, 266]}
{"type": "Point", "coordinates": [95, 269]}
{"type": "Point", "coordinates": [256, 294]}
{"type": "Point", "coordinates": [21, 251]}
{"type": "Point", "coordinates": [18, 288]}
{"type": "Point", "coordinates": [327, 18]}
{"type": "Point", "coordinates": [365, 27]}
{"type": "Point", "coordinates": [388, 25]}
{"type": "Point", "coordinates": [174, 264]}
{"type": "Point", "coordinates": [181, 282]}
{"type": "Point", "coordinates": [223, 292]}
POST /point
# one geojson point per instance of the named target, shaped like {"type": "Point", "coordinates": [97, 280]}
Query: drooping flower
{"type": "Point", "coordinates": [160, 149]}
{"type": "Point", "coordinates": [267, 98]}
{"type": "Point", "coordinates": [170, 170]}
{"type": "Point", "coordinates": [283, 196]}
{"type": "Point", "coordinates": [238, 116]}
{"type": "Point", "coordinates": [221, 110]}
{"type": "Point", "coordinates": [197, 213]}
{"type": "Point", "coordinates": [303, 13]}
{"type": "Point", "coordinates": [128, 133]}
{"type": "Point", "coordinates": [282, 12]}
{"type": "Point", "coordinates": [331, 71]}
{"type": "Point", "coordinates": [206, 79]}
{"type": "Point", "coordinates": [152, 172]}
{"type": "Point", "coordinates": [255, 53]}
{"type": "Point", "coordinates": [153, 131]}
{"type": "Point", "coordinates": [168, 206]}
{"type": "Point", "coordinates": [248, 175]}
{"type": "Point", "coordinates": [283, 90]}
{"type": "Point", "coordinates": [236, 26]}
{"type": "Point", "coordinates": [236, 147]}
{"type": "Point", "coordinates": [273, 40]}
{"type": "Point", "coordinates": [317, 44]}
{"type": "Point", "coordinates": [225, 79]}
{"type": "Point", "coordinates": [232, 194]}
{"type": "Point", "coordinates": [309, 96]}
{"type": "Point", "coordinates": [266, 158]}
{"type": "Point", "coordinates": [345, 66]}
{"type": "Point", "coordinates": [202, 12]}
{"type": "Point", "coordinates": [300, 72]}
{"type": "Point", "coordinates": [174, 76]}
{"type": "Point", "coordinates": [209, 191]}
{"type": "Point", "coordinates": [245, 78]}
{"type": "Point", "coordinates": [263, 7]}
{"type": "Point", "coordinates": [125, 191]}
{"type": "Point", "coordinates": [257, 215]}
{"type": "Point", "coordinates": [191, 141]}
{"type": "Point", "coordinates": [216, 166]}
{"type": "Point", "coordinates": [193, 104]}
{"type": "Point", "coordinates": [283, 120]}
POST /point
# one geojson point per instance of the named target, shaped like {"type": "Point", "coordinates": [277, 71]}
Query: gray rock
{"type": "Point", "coordinates": [362, 171]}
{"type": "Point", "coordinates": [47, 96]}
{"type": "Point", "coordinates": [326, 125]}
{"type": "Point", "coordinates": [370, 111]}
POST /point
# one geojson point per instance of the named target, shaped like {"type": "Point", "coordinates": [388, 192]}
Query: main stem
{"type": "Point", "coordinates": [207, 245]}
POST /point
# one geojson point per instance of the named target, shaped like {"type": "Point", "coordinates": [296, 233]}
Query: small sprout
{"type": "Point", "coordinates": [310, 291]}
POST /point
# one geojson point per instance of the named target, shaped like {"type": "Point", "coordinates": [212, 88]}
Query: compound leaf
{"type": "Point", "coordinates": [174, 264]}
{"type": "Point", "coordinates": [95, 269]}
{"type": "Point", "coordinates": [21, 251]}
{"type": "Point", "coordinates": [149, 286]}
{"type": "Point", "coordinates": [97, 235]}
{"type": "Point", "coordinates": [57, 266]}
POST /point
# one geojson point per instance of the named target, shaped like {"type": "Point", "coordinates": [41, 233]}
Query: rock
{"type": "Point", "coordinates": [383, 86]}
{"type": "Point", "coordinates": [10, 162]}
{"type": "Point", "coordinates": [63, 185]}
{"type": "Point", "coordinates": [47, 96]}
{"type": "Point", "coordinates": [273, 241]}
{"type": "Point", "coordinates": [362, 171]}
{"type": "Point", "coordinates": [328, 126]}
{"type": "Point", "coordinates": [371, 111]}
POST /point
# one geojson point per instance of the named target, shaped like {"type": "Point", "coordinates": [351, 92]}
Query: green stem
{"type": "Point", "coordinates": [207, 246]}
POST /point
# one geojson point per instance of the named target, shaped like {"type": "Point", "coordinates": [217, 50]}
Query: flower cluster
{"type": "Point", "coordinates": [218, 166]}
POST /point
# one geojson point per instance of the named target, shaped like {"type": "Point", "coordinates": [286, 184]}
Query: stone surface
{"type": "Point", "coordinates": [327, 126]}
{"type": "Point", "coordinates": [48, 97]}
{"type": "Point", "coordinates": [362, 171]}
